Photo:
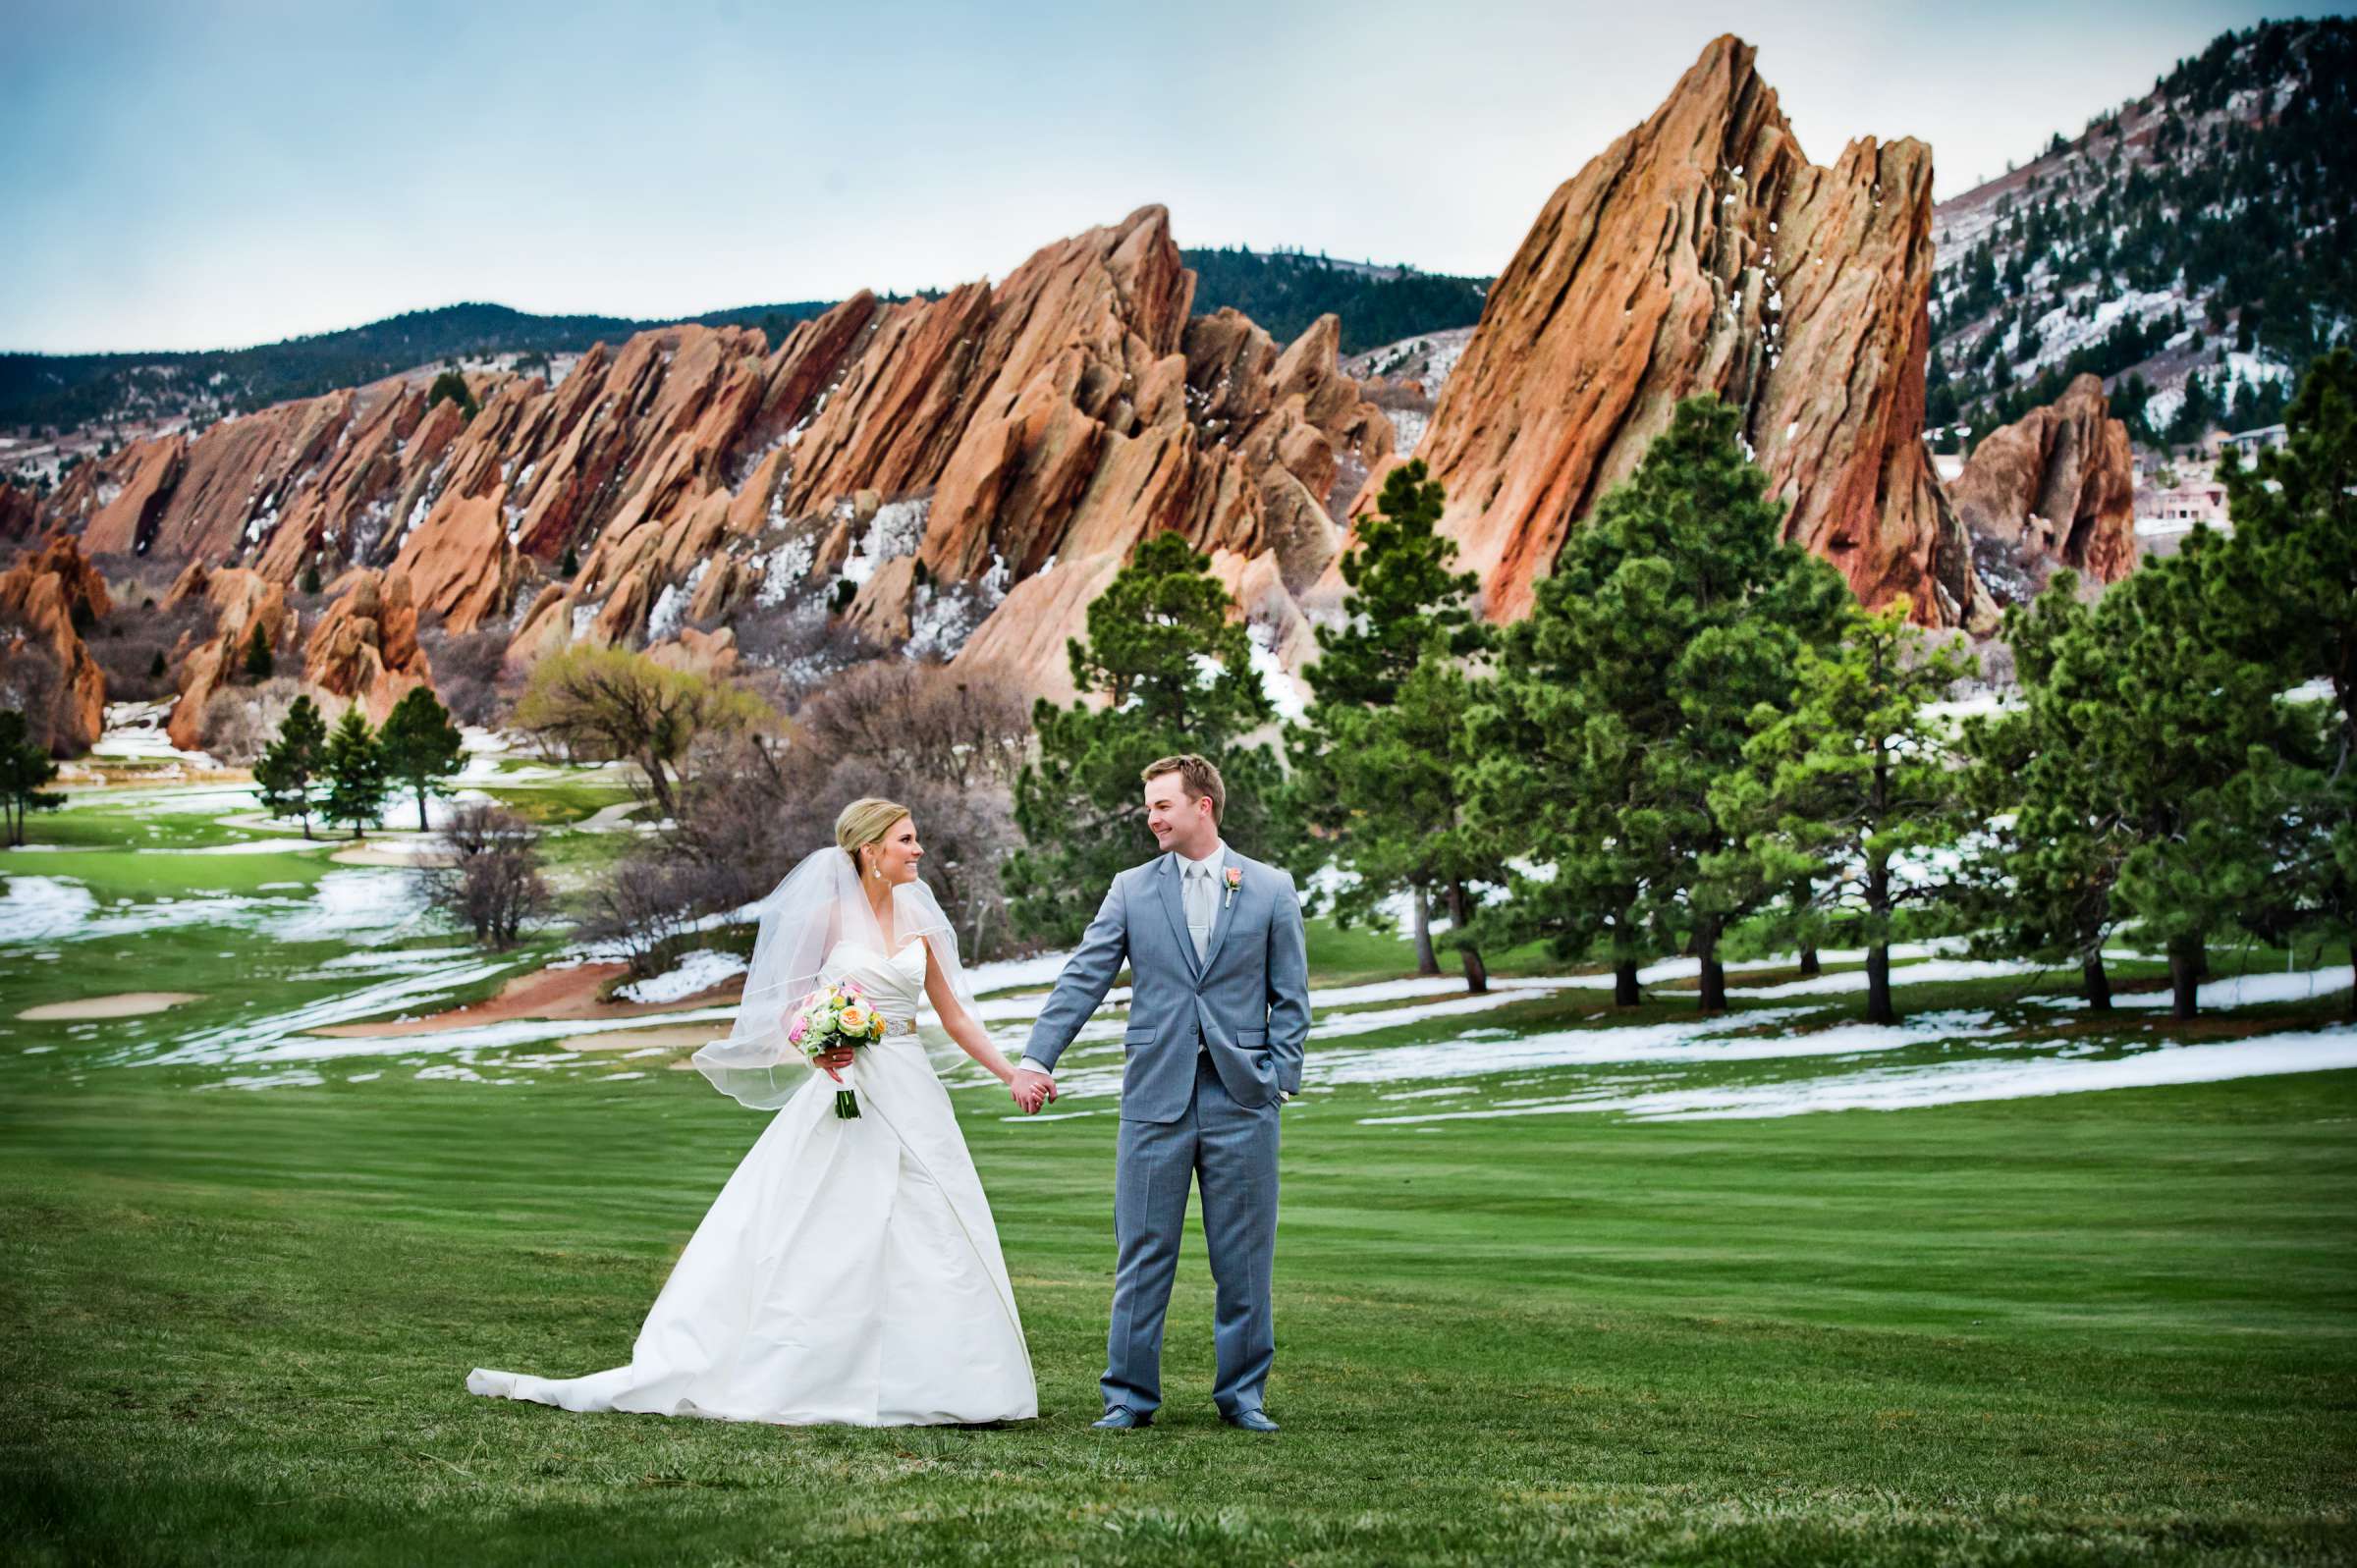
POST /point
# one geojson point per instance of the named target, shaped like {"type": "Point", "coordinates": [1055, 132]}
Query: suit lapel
{"type": "Point", "coordinates": [1225, 909]}
{"type": "Point", "coordinates": [1176, 907]}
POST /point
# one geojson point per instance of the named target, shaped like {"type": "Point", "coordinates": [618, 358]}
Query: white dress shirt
{"type": "Point", "coordinates": [1199, 895]}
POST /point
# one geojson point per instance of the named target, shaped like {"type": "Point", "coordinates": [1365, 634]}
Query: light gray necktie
{"type": "Point", "coordinates": [1199, 912]}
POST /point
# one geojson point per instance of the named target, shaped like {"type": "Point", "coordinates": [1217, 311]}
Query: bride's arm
{"type": "Point", "coordinates": [962, 1028]}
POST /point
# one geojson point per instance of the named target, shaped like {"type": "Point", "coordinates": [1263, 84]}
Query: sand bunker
{"type": "Point", "coordinates": [567, 994]}
{"type": "Point", "coordinates": [675, 1037]}
{"type": "Point", "coordinates": [126, 1005]}
{"type": "Point", "coordinates": [395, 853]}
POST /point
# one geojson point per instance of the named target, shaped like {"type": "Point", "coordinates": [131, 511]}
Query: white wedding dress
{"type": "Point", "coordinates": [848, 1272]}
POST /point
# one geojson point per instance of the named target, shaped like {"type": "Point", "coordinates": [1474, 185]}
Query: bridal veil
{"type": "Point", "coordinates": [819, 906]}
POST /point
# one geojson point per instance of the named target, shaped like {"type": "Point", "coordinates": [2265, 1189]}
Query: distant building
{"type": "Point", "coordinates": [2249, 443]}
{"type": "Point", "coordinates": [2181, 506]}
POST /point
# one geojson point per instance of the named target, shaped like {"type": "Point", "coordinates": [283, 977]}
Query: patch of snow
{"type": "Point", "coordinates": [1283, 692]}
{"type": "Point", "coordinates": [2249, 990]}
{"type": "Point", "coordinates": [783, 570]}
{"type": "Point", "coordinates": [1949, 1084]}
{"type": "Point", "coordinates": [699, 970]}
{"type": "Point", "coordinates": [44, 908]}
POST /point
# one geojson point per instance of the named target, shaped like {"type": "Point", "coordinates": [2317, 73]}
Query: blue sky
{"type": "Point", "coordinates": [208, 173]}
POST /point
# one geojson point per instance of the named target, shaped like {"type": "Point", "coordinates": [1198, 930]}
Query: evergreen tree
{"type": "Point", "coordinates": [1844, 791]}
{"type": "Point", "coordinates": [571, 564]}
{"type": "Point", "coordinates": [258, 662]}
{"type": "Point", "coordinates": [1175, 675]}
{"type": "Point", "coordinates": [1401, 593]}
{"type": "Point", "coordinates": [23, 767]}
{"type": "Point", "coordinates": [452, 385]}
{"type": "Point", "coordinates": [289, 769]}
{"type": "Point", "coordinates": [2172, 713]}
{"type": "Point", "coordinates": [1372, 764]}
{"type": "Point", "coordinates": [2289, 596]}
{"type": "Point", "coordinates": [354, 767]}
{"type": "Point", "coordinates": [1671, 618]}
{"type": "Point", "coordinates": [310, 578]}
{"type": "Point", "coordinates": [422, 746]}
{"type": "Point", "coordinates": [2038, 882]}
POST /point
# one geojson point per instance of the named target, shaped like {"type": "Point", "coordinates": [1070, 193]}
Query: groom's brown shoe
{"type": "Point", "coordinates": [1120, 1417]}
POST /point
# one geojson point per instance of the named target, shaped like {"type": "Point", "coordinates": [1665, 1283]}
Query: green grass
{"type": "Point", "coordinates": [557, 802]}
{"type": "Point", "coordinates": [2104, 1328]}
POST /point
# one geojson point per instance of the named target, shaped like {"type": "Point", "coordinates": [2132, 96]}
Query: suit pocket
{"type": "Point", "coordinates": [1251, 1039]}
{"type": "Point", "coordinates": [1138, 1034]}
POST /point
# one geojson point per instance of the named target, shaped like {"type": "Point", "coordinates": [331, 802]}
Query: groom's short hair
{"type": "Point", "coordinates": [1196, 775]}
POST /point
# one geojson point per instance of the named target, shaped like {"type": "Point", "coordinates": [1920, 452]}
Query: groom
{"type": "Point", "coordinates": [1219, 1009]}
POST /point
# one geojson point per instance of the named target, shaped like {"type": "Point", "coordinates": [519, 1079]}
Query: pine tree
{"type": "Point", "coordinates": [422, 746]}
{"type": "Point", "coordinates": [2171, 713]}
{"type": "Point", "coordinates": [570, 565]}
{"type": "Point", "coordinates": [258, 662]}
{"type": "Point", "coordinates": [1844, 793]}
{"type": "Point", "coordinates": [2038, 880]}
{"type": "Point", "coordinates": [452, 384]}
{"type": "Point", "coordinates": [1671, 617]}
{"type": "Point", "coordinates": [310, 578]}
{"type": "Point", "coordinates": [2289, 596]}
{"type": "Point", "coordinates": [1176, 675]}
{"type": "Point", "coordinates": [1372, 758]}
{"type": "Point", "coordinates": [289, 767]}
{"type": "Point", "coordinates": [354, 767]}
{"type": "Point", "coordinates": [23, 767]}
{"type": "Point", "coordinates": [1401, 593]}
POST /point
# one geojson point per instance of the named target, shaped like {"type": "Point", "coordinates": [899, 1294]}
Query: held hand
{"type": "Point", "coordinates": [1032, 1090]}
{"type": "Point", "coordinates": [829, 1061]}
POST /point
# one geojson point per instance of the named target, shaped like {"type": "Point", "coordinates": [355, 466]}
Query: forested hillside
{"type": "Point", "coordinates": [2197, 248]}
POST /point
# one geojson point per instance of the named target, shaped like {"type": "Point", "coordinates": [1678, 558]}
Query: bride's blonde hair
{"type": "Point", "coordinates": [864, 821]}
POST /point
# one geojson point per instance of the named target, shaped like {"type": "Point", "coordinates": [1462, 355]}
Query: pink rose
{"type": "Point", "coordinates": [794, 1035]}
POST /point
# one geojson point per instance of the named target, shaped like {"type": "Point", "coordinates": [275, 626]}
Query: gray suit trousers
{"type": "Point", "coordinates": [1230, 1152]}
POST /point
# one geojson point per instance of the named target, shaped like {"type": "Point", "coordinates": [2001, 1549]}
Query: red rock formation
{"type": "Point", "coordinates": [1063, 413]}
{"type": "Point", "coordinates": [1025, 635]}
{"type": "Point", "coordinates": [132, 506]}
{"type": "Point", "coordinates": [459, 561]}
{"type": "Point", "coordinates": [2055, 488]}
{"type": "Point", "coordinates": [366, 645]}
{"type": "Point", "coordinates": [706, 653]}
{"type": "Point", "coordinates": [1703, 254]}
{"type": "Point", "coordinates": [242, 599]}
{"type": "Point", "coordinates": [51, 594]}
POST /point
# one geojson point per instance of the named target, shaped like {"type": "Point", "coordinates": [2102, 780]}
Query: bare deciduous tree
{"type": "Point", "coordinates": [467, 671]}
{"type": "Point", "coordinates": [239, 721]}
{"type": "Point", "coordinates": [950, 723]}
{"type": "Point", "coordinates": [31, 681]}
{"type": "Point", "coordinates": [646, 906]}
{"type": "Point", "coordinates": [494, 886]}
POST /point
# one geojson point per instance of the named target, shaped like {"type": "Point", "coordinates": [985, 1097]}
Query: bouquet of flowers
{"type": "Point", "coordinates": [831, 1018]}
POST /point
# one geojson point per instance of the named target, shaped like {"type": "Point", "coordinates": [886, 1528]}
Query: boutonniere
{"type": "Point", "coordinates": [1235, 880]}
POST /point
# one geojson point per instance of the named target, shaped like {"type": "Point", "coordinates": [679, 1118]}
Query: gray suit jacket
{"type": "Point", "coordinates": [1247, 1003]}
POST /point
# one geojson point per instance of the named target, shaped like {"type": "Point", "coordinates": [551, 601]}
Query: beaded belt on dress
{"type": "Point", "coordinates": [900, 1026]}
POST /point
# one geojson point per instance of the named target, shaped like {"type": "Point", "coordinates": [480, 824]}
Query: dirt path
{"type": "Point", "coordinates": [570, 993]}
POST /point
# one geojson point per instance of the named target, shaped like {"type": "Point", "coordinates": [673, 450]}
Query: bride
{"type": "Point", "coordinates": [849, 1270]}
